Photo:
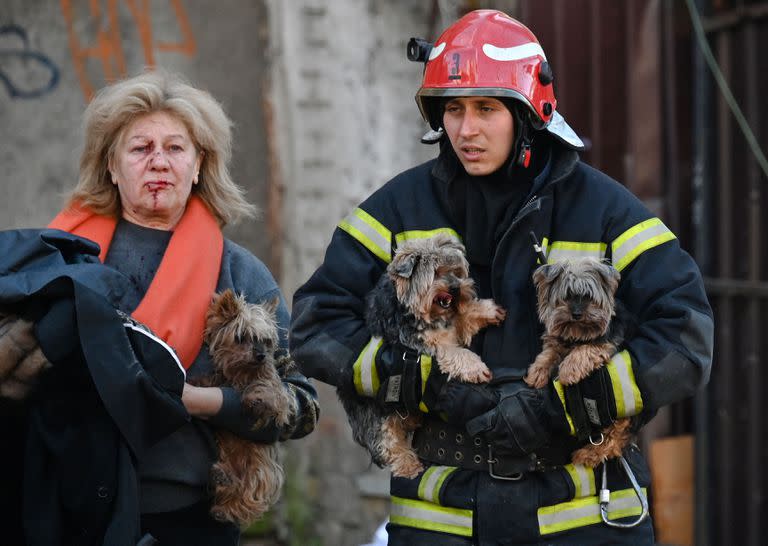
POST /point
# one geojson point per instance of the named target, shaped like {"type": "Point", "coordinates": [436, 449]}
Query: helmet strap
{"type": "Point", "coordinates": [521, 149]}
{"type": "Point", "coordinates": [524, 156]}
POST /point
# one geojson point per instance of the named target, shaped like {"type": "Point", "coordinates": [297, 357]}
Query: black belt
{"type": "Point", "coordinates": [441, 443]}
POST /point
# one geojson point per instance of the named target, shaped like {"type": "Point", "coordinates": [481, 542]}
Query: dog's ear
{"type": "Point", "coordinates": [547, 273]}
{"type": "Point", "coordinates": [225, 305]}
{"type": "Point", "coordinates": [610, 275]}
{"type": "Point", "coordinates": [444, 240]}
{"type": "Point", "coordinates": [404, 263]}
{"type": "Point", "coordinates": [271, 306]}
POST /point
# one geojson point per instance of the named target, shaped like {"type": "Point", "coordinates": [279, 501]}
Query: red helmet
{"type": "Point", "coordinates": [487, 53]}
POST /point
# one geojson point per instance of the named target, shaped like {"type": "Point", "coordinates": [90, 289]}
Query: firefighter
{"type": "Point", "coordinates": [497, 456]}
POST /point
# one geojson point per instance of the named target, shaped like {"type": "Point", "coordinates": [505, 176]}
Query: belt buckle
{"type": "Point", "coordinates": [517, 476]}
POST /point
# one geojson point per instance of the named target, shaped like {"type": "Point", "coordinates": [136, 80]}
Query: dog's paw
{"type": "Point", "coordinates": [490, 313]}
{"type": "Point", "coordinates": [220, 514]}
{"type": "Point", "coordinates": [254, 405]}
{"type": "Point", "coordinates": [477, 373]}
{"type": "Point", "coordinates": [537, 377]}
{"type": "Point", "coordinates": [499, 314]}
{"type": "Point", "coordinates": [589, 456]}
{"type": "Point", "coordinates": [219, 478]}
{"type": "Point", "coordinates": [407, 466]}
{"type": "Point", "coordinates": [573, 369]}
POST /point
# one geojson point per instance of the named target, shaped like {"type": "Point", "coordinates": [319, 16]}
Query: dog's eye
{"type": "Point", "coordinates": [444, 300]}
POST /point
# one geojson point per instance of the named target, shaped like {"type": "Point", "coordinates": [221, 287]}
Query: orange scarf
{"type": "Point", "coordinates": [177, 299]}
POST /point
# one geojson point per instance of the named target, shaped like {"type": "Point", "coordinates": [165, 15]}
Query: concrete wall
{"type": "Point", "coordinates": [55, 54]}
{"type": "Point", "coordinates": [343, 92]}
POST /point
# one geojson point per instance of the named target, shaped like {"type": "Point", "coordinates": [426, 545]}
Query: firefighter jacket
{"type": "Point", "coordinates": [575, 211]}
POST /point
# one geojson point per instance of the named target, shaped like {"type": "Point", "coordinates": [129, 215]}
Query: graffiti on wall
{"type": "Point", "coordinates": [106, 47]}
{"type": "Point", "coordinates": [25, 73]}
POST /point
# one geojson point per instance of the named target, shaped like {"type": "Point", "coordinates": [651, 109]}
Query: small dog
{"type": "Point", "coordinates": [242, 338]}
{"type": "Point", "coordinates": [425, 301]}
{"type": "Point", "coordinates": [584, 324]}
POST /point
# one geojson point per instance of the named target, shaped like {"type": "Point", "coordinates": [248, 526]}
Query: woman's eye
{"type": "Point", "coordinates": [175, 148]}
{"type": "Point", "coordinates": [139, 149]}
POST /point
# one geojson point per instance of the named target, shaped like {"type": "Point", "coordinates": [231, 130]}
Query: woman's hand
{"type": "Point", "coordinates": [202, 402]}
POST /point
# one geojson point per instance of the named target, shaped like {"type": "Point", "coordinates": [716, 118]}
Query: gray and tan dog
{"type": "Point", "coordinates": [583, 326]}
{"type": "Point", "coordinates": [424, 301]}
{"type": "Point", "coordinates": [242, 338]}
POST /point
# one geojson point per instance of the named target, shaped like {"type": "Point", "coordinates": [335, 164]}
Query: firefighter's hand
{"type": "Point", "coordinates": [591, 403]}
{"type": "Point", "coordinates": [409, 381]}
{"type": "Point", "coordinates": [460, 402]}
{"type": "Point", "coordinates": [523, 421]}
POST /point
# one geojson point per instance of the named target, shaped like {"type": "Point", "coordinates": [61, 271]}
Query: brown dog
{"type": "Point", "coordinates": [425, 301]}
{"type": "Point", "coordinates": [242, 338]}
{"type": "Point", "coordinates": [577, 306]}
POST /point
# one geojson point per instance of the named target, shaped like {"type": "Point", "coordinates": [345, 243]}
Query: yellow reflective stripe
{"type": "Point", "coordinates": [636, 240]}
{"type": "Point", "coordinates": [561, 395]}
{"type": "Point", "coordinates": [581, 512]}
{"type": "Point", "coordinates": [426, 366]}
{"type": "Point", "coordinates": [425, 234]}
{"type": "Point", "coordinates": [432, 481]}
{"type": "Point", "coordinates": [629, 401]}
{"type": "Point", "coordinates": [369, 232]}
{"type": "Point", "coordinates": [364, 368]}
{"type": "Point", "coordinates": [583, 478]}
{"type": "Point", "coordinates": [559, 251]}
{"type": "Point", "coordinates": [432, 517]}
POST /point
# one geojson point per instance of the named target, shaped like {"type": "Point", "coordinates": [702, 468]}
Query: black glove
{"type": "Point", "coordinates": [523, 421]}
{"type": "Point", "coordinates": [460, 402]}
{"type": "Point", "coordinates": [591, 403]}
{"type": "Point", "coordinates": [409, 381]}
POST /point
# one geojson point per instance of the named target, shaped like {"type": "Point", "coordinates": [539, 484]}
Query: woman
{"type": "Point", "coordinates": [154, 192]}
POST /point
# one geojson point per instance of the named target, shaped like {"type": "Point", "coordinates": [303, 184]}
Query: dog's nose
{"type": "Point", "coordinates": [260, 356]}
{"type": "Point", "coordinates": [576, 315]}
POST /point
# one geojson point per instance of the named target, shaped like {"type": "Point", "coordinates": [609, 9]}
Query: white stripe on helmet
{"type": "Point", "coordinates": [531, 49]}
{"type": "Point", "coordinates": [436, 51]}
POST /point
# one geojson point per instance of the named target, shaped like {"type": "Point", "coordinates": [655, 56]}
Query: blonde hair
{"type": "Point", "coordinates": [117, 105]}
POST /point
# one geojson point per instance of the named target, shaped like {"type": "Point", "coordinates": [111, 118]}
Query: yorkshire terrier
{"type": "Point", "coordinates": [242, 338]}
{"type": "Point", "coordinates": [583, 326]}
{"type": "Point", "coordinates": [426, 302]}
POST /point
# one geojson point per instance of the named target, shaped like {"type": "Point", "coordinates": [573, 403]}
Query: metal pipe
{"type": "Point", "coordinates": [755, 437]}
{"type": "Point", "coordinates": [722, 386]}
{"type": "Point", "coordinates": [670, 134]}
{"type": "Point", "coordinates": [703, 133]}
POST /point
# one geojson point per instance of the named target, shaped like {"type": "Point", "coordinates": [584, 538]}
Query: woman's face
{"type": "Point", "coordinates": [154, 168]}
